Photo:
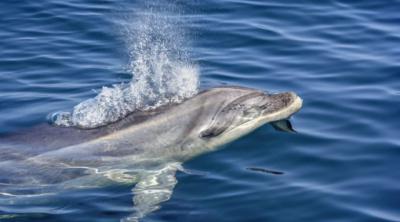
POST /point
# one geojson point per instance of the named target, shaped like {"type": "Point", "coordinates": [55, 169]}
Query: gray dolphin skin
{"type": "Point", "coordinates": [144, 149]}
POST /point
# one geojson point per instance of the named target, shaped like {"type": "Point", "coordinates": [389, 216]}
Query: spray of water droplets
{"type": "Point", "coordinates": [161, 70]}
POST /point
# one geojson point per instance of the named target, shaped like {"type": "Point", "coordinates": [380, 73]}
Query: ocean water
{"type": "Point", "coordinates": [87, 63]}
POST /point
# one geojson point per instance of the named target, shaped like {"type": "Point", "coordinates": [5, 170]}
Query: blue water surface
{"type": "Point", "coordinates": [342, 57]}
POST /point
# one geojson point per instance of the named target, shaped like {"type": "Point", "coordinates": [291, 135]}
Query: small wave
{"type": "Point", "coordinates": [161, 69]}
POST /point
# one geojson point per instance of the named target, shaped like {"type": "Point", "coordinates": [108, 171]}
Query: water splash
{"type": "Point", "coordinates": [161, 68]}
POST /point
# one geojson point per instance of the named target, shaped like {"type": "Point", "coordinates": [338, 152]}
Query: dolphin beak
{"type": "Point", "coordinates": [283, 123]}
{"type": "Point", "coordinates": [297, 102]}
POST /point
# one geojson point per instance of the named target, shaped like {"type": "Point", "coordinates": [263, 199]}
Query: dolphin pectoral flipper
{"type": "Point", "coordinates": [283, 125]}
{"type": "Point", "coordinates": [153, 188]}
{"type": "Point", "coordinates": [220, 124]}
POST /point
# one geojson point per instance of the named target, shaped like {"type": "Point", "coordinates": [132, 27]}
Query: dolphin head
{"type": "Point", "coordinates": [243, 110]}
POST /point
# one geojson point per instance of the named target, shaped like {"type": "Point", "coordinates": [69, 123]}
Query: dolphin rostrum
{"type": "Point", "coordinates": [146, 148]}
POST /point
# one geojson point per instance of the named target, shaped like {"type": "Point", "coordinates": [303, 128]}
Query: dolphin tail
{"type": "Point", "coordinates": [153, 188]}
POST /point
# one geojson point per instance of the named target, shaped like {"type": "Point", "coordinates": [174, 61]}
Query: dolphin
{"type": "Point", "coordinates": [144, 149]}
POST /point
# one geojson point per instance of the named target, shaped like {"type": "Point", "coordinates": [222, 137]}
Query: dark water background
{"type": "Point", "coordinates": [342, 57]}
